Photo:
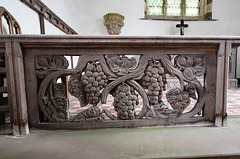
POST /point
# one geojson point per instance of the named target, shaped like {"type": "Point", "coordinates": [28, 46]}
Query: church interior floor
{"type": "Point", "coordinates": [233, 104]}
{"type": "Point", "coordinates": [168, 142]}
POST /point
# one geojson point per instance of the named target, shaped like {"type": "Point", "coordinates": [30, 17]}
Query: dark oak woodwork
{"type": "Point", "coordinates": [2, 70]}
{"type": "Point", "coordinates": [4, 108]}
{"type": "Point", "coordinates": [37, 99]}
{"type": "Point", "coordinates": [3, 89]}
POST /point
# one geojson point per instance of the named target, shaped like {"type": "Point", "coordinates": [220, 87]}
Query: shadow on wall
{"type": "Point", "coordinates": [98, 27]}
{"type": "Point", "coordinates": [173, 30]}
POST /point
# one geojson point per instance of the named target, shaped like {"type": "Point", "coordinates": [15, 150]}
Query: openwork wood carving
{"type": "Point", "coordinates": [97, 76]}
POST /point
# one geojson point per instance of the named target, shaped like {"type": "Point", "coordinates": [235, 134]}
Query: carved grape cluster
{"type": "Point", "coordinates": [125, 101]}
{"type": "Point", "coordinates": [154, 81]}
{"type": "Point", "coordinates": [93, 80]}
{"type": "Point", "coordinates": [178, 99]}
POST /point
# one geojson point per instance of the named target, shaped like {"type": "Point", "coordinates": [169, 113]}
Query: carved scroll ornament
{"type": "Point", "coordinates": [97, 76]}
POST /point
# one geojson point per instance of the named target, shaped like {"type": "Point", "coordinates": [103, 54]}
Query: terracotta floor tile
{"type": "Point", "coordinates": [233, 104]}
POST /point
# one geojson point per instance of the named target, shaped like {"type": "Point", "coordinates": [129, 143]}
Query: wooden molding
{"type": "Point", "coordinates": [48, 14]}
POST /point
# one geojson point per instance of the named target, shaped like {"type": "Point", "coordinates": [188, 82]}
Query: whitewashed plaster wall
{"type": "Point", "coordinates": [91, 18]}
{"type": "Point", "coordinates": [67, 11]}
{"type": "Point", "coordinates": [86, 17]}
{"type": "Point", "coordinates": [29, 20]}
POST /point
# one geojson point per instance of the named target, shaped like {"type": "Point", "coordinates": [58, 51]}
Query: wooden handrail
{"type": "Point", "coordinates": [3, 70]}
{"type": "Point", "coordinates": [3, 89]}
{"type": "Point", "coordinates": [43, 11]}
{"type": "Point", "coordinates": [4, 108]}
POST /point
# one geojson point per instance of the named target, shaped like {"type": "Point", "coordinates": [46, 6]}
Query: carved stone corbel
{"type": "Point", "coordinates": [114, 23]}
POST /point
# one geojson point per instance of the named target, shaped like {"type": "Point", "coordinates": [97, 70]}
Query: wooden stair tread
{"type": "Point", "coordinates": [4, 108]}
{"type": "Point", "coordinates": [3, 90]}
{"type": "Point", "coordinates": [3, 70]}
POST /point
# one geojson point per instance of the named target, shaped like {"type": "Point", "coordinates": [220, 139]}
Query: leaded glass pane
{"type": "Point", "coordinates": [155, 7]}
{"type": "Point", "coordinates": [192, 7]}
{"type": "Point", "coordinates": [174, 7]}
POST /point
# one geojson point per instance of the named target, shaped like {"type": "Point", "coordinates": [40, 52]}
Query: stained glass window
{"type": "Point", "coordinates": [177, 9]}
{"type": "Point", "coordinates": [174, 7]}
{"type": "Point", "coordinates": [155, 7]}
{"type": "Point", "coordinates": [192, 7]}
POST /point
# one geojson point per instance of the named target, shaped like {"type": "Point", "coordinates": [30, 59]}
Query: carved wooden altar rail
{"type": "Point", "coordinates": [39, 99]}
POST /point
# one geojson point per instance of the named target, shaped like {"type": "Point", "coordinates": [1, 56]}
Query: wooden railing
{"type": "Point", "coordinates": [140, 98]}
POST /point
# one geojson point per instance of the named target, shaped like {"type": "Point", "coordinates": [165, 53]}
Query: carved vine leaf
{"type": "Point", "coordinates": [166, 113]}
{"type": "Point", "coordinates": [47, 64]}
{"type": "Point", "coordinates": [121, 65]}
{"type": "Point", "coordinates": [56, 104]}
{"type": "Point", "coordinates": [161, 111]}
{"type": "Point", "coordinates": [60, 96]}
{"type": "Point", "coordinates": [92, 113]}
{"type": "Point", "coordinates": [74, 86]}
{"type": "Point", "coordinates": [191, 89]}
{"type": "Point", "coordinates": [178, 100]}
{"type": "Point", "coordinates": [192, 65]}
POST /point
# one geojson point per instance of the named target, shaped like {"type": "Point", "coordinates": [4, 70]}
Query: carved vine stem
{"type": "Point", "coordinates": [168, 66]}
{"type": "Point", "coordinates": [135, 74]}
{"type": "Point", "coordinates": [119, 69]}
{"type": "Point", "coordinates": [53, 76]}
{"type": "Point", "coordinates": [45, 85]}
{"type": "Point", "coordinates": [200, 90]}
{"type": "Point", "coordinates": [200, 102]}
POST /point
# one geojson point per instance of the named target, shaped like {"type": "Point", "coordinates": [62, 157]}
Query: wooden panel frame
{"type": "Point", "coordinates": [217, 49]}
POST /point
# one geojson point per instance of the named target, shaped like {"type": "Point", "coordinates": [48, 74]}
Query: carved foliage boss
{"type": "Point", "coordinates": [126, 80]}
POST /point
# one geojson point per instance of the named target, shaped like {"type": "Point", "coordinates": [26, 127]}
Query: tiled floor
{"type": "Point", "coordinates": [233, 101]}
{"type": "Point", "coordinates": [233, 104]}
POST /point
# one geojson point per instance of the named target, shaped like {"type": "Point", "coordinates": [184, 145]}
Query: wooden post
{"type": "Point", "coordinates": [220, 85]}
{"type": "Point", "coordinates": [210, 85]}
{"type": "Point", "coordinates": [226, 78]}
{"type": "Point", "coordinates": [11, 89]}
{"type": "Point", "coordinates": [42, 24]}
{"type": "Point", "coordinates": [1, 26]}
{"type": "Point", "coordinates": [2, 114]}
{"type": "Point", "coordinates": [16, 87]}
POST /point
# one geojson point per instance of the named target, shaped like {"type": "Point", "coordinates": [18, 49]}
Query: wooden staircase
{"type": "Point", "coordinates": [4, 107]}
{"type": "Point", "coordinates": [8, 104]}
